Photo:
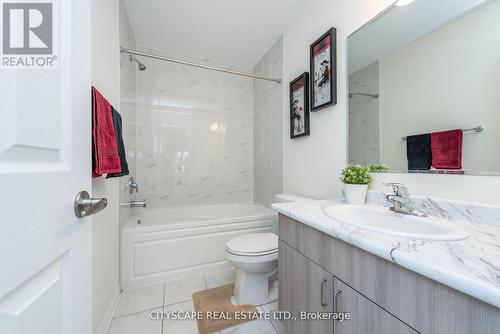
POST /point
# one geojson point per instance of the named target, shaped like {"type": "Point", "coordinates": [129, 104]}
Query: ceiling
{"type": "Point", "coordinates": [235, 33]}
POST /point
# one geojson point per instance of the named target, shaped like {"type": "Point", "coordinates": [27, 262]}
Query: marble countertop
{"type": "Point", "coordinates": [471, 266]}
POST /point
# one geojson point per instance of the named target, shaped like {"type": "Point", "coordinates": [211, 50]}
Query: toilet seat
{"type": "Point", "coordinates": [252, 254]}
{"type": "Point", "coordinates": [255, 244]}
{"type": "Point", "coordinates": [251, 258]}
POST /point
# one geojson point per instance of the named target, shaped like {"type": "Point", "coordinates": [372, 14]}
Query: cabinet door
{"type": "Point", "coordinates": [366, 316]}
{"type": "Point", "coordinates": [304, 287]}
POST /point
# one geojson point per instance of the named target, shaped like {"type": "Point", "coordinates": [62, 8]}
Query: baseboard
{"type": "Point", "coordinates": [110, 311]}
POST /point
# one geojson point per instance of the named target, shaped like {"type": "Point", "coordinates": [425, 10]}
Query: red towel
{"type": "Point", "coordinates": [105, 158]}
{"type": "Point", "coordinates": [446, 149]}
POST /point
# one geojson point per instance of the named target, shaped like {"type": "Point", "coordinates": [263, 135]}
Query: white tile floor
{"type": "Point", "coordinates": [132, 315]}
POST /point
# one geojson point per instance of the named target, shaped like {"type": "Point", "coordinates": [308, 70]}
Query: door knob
{"type": "Point", "coordinates": [86, 206]}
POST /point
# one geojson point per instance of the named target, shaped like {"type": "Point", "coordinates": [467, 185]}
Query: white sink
{"type": "Point", "coordinates": [383, 220]}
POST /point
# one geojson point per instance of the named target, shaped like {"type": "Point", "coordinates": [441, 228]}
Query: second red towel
{"type": "Point", "coordinates": [105, 158]}
{"type": "Point", "coordinates": [446, 149]}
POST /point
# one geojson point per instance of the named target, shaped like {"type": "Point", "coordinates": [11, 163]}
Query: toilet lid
{"type": "Point", "coordinates": [255, 243]}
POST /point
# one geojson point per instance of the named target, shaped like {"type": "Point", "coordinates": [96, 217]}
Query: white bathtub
{"type": "Point", "coordinates": [174, 243]}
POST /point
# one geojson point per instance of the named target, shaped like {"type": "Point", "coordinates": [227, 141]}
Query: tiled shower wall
{"type": "Point", "coordinates": [268, 127]}
{"type": "Point", "coordinates": [364, 111]}
{"type": "Point", "coordinates": [128, 73]}
{"type": "Point", "coordinates": [194, 135]}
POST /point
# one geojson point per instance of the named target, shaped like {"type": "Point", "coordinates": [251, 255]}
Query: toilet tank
{"type": "Point", "coordinates": [287, 198]}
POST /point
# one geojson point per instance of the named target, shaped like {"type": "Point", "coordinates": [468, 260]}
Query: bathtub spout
{"type": "Point", "coordinates": [138, 204]}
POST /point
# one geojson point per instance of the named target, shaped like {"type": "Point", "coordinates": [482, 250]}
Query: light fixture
{"type": "Point", "coordinates": [402, 3]}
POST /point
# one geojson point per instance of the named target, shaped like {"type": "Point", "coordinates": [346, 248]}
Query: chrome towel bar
{"type": "Point", "coordinates": [477, 129]}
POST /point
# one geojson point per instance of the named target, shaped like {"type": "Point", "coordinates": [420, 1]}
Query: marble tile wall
{"type": "Point", "coordinates": [268, 127]}
{"type": "Point", "coordinates": [127, 110]}
{"type": "Point", "coordinates": [194, 136]}
{"type": "Point", "coordinates": [452, 210]}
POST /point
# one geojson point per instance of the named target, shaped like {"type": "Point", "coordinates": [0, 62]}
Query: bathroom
{"type": "Point", "coordinates": [250, 197]}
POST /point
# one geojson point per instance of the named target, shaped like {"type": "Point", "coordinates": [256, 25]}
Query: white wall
{"type": "Point", "coordinates": [194, 135]}
{"type": "Point", "coordinates": [441, 82]}
{"type": "Point", "coordinates": [105, 236]}
{"type": "Point", "coordinates": [267, 127]}
{"type": "Point", "coordinates": [312, 164]}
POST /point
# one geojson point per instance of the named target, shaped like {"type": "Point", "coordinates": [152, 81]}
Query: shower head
{"type": "Point", "coordinates": [141, 66]}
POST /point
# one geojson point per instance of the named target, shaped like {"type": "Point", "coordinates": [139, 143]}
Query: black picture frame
{"type": "Point", "coordinates": [329, 37]}
{"type": "Point", "coordinates": [299, 123]}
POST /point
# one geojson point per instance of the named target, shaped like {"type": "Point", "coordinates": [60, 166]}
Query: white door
{"type": "Point", "coordinates": [45, 151]}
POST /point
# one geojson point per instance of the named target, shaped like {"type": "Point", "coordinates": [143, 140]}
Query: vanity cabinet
{"type": "Point", "coordinates": [382, 297]}
{"type": "Point", "coordinates": [308, 288]}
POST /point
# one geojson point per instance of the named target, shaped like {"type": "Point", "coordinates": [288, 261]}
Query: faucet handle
{"type": "Point", "coordinates": [399, 189]}
{"type": "Point", "coordinates": [132, 185]}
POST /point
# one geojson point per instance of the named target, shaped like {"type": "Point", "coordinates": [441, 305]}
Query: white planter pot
{"type": "Point", "coordinates": [355, 193]}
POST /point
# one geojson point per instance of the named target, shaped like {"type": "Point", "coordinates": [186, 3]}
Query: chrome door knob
{"type": "Point", "coordinates": [86, 206]}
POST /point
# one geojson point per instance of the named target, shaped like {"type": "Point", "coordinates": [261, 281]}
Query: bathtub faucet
{"type": "Point", "coordinates": [132, 185]}
{"type": "Point", "coordinates": [137, 204]}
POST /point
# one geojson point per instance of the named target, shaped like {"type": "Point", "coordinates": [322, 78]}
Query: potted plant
{"type": "Point", "coordinates": [355, 179]}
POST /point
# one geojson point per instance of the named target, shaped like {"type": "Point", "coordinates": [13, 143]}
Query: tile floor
{"type": "Point", "coordinates": [132, 315]}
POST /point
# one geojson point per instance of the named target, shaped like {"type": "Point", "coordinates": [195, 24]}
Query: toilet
{"type": "Point", "coordinates": [255, 257]}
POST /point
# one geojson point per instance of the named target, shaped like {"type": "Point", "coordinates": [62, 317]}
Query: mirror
{"type": "Point", "coordinates": [418, 70]}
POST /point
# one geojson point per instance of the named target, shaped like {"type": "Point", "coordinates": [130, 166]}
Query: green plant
{"type": "Point", "coordinates": [355, 174]}
{"type": "Point", "coordinates": [378, 168]}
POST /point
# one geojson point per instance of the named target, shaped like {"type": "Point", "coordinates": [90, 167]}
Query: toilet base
{"type": "Point", "coordinates": [255, 289]}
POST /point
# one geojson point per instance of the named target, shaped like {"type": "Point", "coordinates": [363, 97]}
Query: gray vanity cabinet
{"type": "Point", "coordinates": [366, 316]}
{"type": "Point", "coordinates": [382, 297]}
{"type": "Point", "coordinates": [304, 287]}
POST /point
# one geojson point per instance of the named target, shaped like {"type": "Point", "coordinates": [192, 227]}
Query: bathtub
{"type": "Point", "coordinates": [165, 244]}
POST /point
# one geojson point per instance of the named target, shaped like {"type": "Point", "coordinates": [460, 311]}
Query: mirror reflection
{"type": "Point", "coordinates": [424, 88]}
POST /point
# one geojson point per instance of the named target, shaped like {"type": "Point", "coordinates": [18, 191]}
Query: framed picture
{"type": "Point", "coordinates": [299, 106]}
{"type": "Point", "coordinates": [323, 56]}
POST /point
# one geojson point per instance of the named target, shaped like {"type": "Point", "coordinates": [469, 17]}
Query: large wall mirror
{"type": "Point", "coordinates": [424, 88]}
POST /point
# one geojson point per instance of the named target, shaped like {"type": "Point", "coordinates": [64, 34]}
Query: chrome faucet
{"type": "Point", "coordinates": [132, 185]}
{"type": "Point", "coordinates": [401, 201]}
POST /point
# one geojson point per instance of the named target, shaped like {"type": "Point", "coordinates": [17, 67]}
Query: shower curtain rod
{"type": "Point", "coordinates": [172, 60]}
{"type": "Point", "coordinates": [351, 94]}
